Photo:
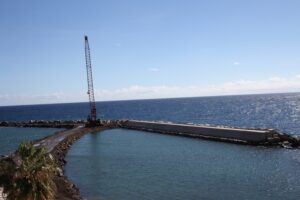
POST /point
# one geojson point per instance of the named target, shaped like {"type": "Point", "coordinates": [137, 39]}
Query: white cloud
{"type": "Point", "coordinates": [236, 63]}
{"type": "Point", "coordinates": [270, 85]}
{"type": "Point", "coordinates": [153, 69]}
{"type": "Point", "coordinates": [276, 79]}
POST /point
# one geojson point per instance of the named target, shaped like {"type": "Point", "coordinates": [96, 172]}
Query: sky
{"type": "Point", "coordinates": [143, 49]}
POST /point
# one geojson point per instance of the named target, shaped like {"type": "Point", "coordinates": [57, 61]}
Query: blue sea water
{"type": "Point", "coordinates": [279, 111]}
{"type": "Point", "coordinates": [126, 164]}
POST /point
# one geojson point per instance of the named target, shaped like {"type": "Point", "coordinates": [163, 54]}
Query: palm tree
{"type": "Point", "coordinates": [28, 174]}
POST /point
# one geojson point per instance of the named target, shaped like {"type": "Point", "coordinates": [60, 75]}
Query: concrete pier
{"type": "Point", "coordinates": [234, 135]}
{"type": "Point", "coordinates": [267, 137]}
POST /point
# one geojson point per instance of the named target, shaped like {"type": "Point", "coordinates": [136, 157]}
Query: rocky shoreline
{"type": "Point", "coordinates": [67, 190]}
{"type": "Point", "coordinates": [58, 145]}
{"type": "Point", "coordinates": [68, 124]}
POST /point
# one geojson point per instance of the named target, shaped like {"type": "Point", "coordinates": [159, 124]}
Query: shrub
{"type": "Point", "coordinates": [28, 174]}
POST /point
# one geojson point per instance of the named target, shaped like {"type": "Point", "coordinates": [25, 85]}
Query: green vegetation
{"type": "Point", "coordinates": [28, 174]}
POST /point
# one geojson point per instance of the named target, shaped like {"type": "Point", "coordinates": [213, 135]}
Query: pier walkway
{"type": "Point", "coordinates": [52, 141]}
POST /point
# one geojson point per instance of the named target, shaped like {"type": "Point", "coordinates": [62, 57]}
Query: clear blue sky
{"type": "Point", "coordinates": [146, 48]}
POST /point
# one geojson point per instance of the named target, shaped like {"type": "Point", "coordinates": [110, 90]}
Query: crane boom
{"type": "Point", "coordinates": [93, 112]}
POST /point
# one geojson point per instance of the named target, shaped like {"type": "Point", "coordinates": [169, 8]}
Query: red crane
{"type": "Point", "coordinates": [93, 113]}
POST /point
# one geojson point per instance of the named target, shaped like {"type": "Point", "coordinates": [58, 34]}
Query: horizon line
{"type": "Point", "coordinates": [163, 98]}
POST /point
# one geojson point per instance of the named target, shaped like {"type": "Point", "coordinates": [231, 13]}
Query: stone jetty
{"type": "Point", "coordinates": [250, 136]}
{"type": "Point", "coordinates": [265, 137]}
{"type": "Point", "coordinates": [68, 124]}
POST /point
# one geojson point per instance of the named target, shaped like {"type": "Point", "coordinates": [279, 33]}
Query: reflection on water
{"type": "Point", "coordinates": [126, 164]}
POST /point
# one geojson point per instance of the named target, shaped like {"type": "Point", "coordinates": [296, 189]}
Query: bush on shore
{"type": "Point", "coordinates": [28, 174]}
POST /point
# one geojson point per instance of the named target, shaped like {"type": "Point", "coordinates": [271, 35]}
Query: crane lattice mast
{"type": "Point", "coordinates": [93, 113]}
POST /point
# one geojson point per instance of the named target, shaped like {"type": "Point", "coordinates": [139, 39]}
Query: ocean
{"type": "Point", "coordinates": [278, 111]}
{"type": "Point", "coordinates": [127, 164]}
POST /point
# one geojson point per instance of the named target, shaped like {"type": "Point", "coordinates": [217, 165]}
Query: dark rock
{"type": "Point", "coordinates": [4, 123]}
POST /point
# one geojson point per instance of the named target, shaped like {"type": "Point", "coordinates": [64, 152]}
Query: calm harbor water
{"type": "Point", "coordinates": [11, 137]}
{"type": "Point", "coordinates": [125, 164]}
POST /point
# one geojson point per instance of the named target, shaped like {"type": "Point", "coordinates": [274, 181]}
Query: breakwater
{"type": "Point", "coordinates": [58, 145]}
{"type": "Point", "coordinates": [68, 124]}
{"type": "Point", "coordinates": [266, 137]}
